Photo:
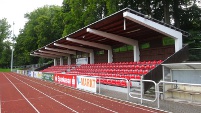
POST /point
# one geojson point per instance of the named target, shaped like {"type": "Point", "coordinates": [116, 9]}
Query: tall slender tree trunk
{"type": "Point", "coordinates": [166, 7]}
{"type": "Point", "coordinates": [176, 13]}
{"type": "Point", "coordinates": [148, 7]}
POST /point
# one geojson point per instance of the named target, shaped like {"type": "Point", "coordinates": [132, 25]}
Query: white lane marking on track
{"type": "Point", "coordinates": [0, 103]}
{"type": "Point", "coordinates": [46, 95]}
{"type": "Point", "coordinates": [79, 98]}
{"type": "Point", "coordinates": [22, 94]}
{"type": "Point", "coordinates": [149, 108]}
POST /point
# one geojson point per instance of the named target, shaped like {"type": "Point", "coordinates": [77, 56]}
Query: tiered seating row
{"type": "Point", "coordinates": [58, 69]}
{"type": "Point", "coordinates": [127, 70]}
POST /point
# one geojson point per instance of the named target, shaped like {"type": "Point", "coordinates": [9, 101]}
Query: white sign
{"type": "Point", "coordinates": [37, 74]}
{"type": "Point", "coordinates": [82, 61]}
{"type": "Point", "coordinates": [86, 83]}
{"type": "Point", "coordinates": [32, 73]}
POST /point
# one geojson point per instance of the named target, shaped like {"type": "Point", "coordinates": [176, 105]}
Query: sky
{"type": "Point", "coordinates": [14, 10]}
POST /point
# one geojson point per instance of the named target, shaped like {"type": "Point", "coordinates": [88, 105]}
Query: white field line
{"type": "Point", "coordinates": [110, 99]}
{"type": "Point", "coordinates": [46, 95]}
{"type": "Point", "coordinates": [22, 95]}
{"type": "Point", "coordinates": [77, 98]}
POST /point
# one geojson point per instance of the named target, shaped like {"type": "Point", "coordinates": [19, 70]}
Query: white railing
{"type": "Point", "coordinates": [141, 90]}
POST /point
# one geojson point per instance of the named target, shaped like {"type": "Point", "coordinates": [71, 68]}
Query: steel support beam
{"type": "Point", "coordinates": [74, 48]}
{"type": "Point", "coordinates": [53, 53]}
{"type": "Point", "coordinates": [60, 50]}
{"type": "Point", "coordinates": [53, 56]}
{"type": "Point", "coordinates": [93, 44]}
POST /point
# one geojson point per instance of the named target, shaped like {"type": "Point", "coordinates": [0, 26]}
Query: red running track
{"type": "Point", "coordinates": [22, 94]}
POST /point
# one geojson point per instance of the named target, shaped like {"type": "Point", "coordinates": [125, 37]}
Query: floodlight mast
{"type": "Point", "coordinates": [12, 49]}
{"type": "Point", "coordinates": [12, 60]}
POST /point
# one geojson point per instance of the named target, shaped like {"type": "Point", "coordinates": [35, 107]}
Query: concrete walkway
{"type": "Point", "coordinates": [166, 105]}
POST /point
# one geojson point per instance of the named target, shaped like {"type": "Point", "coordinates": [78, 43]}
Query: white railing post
{"type": "Point", "coordinates": [141, 88]}
{"type": "Point", "coordinates": [158, 93]}
{"type": "Point", "coordinates": [99, 84]}
{"type": "Point", "coordinates": [128, 88]}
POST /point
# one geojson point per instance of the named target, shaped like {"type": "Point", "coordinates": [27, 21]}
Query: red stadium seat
{"type": "Point", "coordinates": [159, 62]}
{"type": "Point", "coordinates": [118, 82]}
{"type": "Point", "coordinates": [109, 82]}
{"type": "Point", "coordinates": [138, 77]}
{"type": "Point", "coordinates": [123, 83]}
{"type": "Point", "coordinates": [113, 82]}
{"type": "Point", "coordinates": [127, 77]}
{"type": "Point", "coordinates": [137, 67]}
{"type": "Point", "coordinates": [135, 71]}
{"type": "Point", "coordinates": [145, 72]}
{"type": "Point", "coordinates": [152, 66]}
{"type": "Point", "coordinates": [105, 81]}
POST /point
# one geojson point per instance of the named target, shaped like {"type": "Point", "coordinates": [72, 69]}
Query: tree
{"type": "Point", "coordinates": [44, 25]}
{"type": "Point", "coordinates": [4, 29]}
{"type": "Point", "coordinates": [5, 55]}
{"type": "Point", "coordinates": [49, 23]}
{"type": "Point", "coordinates": [4, 46]}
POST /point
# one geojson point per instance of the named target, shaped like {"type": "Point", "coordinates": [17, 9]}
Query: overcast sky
{"type": "Point", "coordinates": [14, 10]}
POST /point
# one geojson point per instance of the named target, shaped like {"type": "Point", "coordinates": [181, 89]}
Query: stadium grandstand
{"type": "Point", "coordinates": [129, 42]}
{"type": "Point", "coordinates": [120, 51]}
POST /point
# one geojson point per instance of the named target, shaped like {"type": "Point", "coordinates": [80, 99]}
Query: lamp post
{"type": "Point", "coordinates": [12, 49]}
{"type": "Point", "coordinates": [11, 65]}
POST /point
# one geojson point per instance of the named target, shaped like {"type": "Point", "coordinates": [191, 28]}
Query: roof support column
{"type": "Point", "coordinates": [55, 62]}
{"type": "Point", "coordinates": [61, 61]}
{"type": "Point", "coordinates": [136, 53]}
{"type": "Point", "coordinates": [178, 43]}
{"type": "Point", "coordinates": [69, 60]}
{"type": "Point", "coordinates": [110, 56]}
{"type": "Point", "coordinates": [91, 55]}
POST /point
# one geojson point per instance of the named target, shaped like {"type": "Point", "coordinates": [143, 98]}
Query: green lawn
{"type": "Point", "coordinates": [4, 70]}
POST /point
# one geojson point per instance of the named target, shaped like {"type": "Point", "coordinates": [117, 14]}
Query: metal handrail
{"type": "Point", "coordinates": [141, 98]}
{"type": "Point", "coordinates": [115, 78]}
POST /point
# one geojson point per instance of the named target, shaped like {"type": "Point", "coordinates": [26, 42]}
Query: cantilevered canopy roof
{"type": "Point", "coordinates": [115, 24]}
{"type": "Point", "coordinates": [178, 66]}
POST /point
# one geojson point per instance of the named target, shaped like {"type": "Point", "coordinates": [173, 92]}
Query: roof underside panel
{"type": "Point", "coordinates": [113, 24]}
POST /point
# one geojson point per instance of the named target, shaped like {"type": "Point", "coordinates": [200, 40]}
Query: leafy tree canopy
{"type": "Point", "coordinates": [49, 23]}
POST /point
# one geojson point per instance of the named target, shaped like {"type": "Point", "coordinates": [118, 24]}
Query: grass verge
{"type": "Point", "coordinates": [4, 70]}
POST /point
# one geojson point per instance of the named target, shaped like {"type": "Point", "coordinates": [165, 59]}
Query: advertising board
{"type": "Point", "coordinates": [48, 77]}
{"type": "Point", "coordinates": [68, 80]}
{"type": "Point", "coordinates": [86, 83]}
{"type": "Point", "coordinates": [29, 73]}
